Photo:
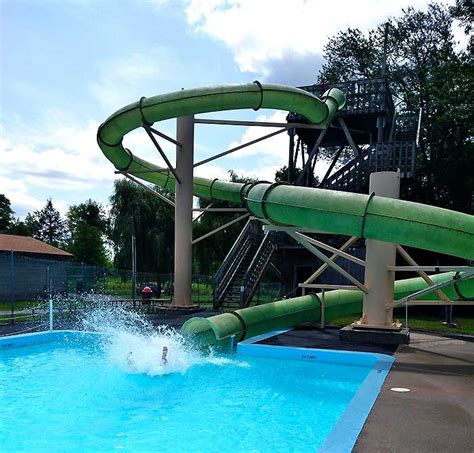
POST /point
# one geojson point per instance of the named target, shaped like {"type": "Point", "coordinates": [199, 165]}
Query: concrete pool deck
{"type": "Point", "coordinates": [438, 412]}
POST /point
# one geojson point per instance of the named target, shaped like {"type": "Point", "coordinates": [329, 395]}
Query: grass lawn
{"type": "Point", "coordinates": [422, 321]}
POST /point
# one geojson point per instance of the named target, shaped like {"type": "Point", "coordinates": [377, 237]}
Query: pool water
{"type": "Point", "coordinates": [87, 395]}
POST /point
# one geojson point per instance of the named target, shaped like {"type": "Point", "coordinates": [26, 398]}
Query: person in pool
{"type": "Point", "coordinates": [164, 355]}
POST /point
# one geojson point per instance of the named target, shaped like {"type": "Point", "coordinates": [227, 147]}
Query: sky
{"type": "Point", "coordinates": [66, 65]}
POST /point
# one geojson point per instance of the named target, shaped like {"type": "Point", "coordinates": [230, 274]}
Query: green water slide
{"type": "Point", "coordinates": [366, 216]}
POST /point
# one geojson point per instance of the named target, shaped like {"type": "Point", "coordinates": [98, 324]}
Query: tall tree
{"type": "Point", "coordinates": [153, 221]}
{"type": "Point", "coordinates": [6, 214]}
{"type": "Point", "coordinates": [90, 212]}
{"type": "Point", "coordinates": [420, 49]}
{"type": "Point", "coordinates": [47, 225]}
{"type": "Point", "coordinates": [87, 223]}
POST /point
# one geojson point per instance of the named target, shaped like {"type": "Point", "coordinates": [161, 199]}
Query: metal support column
{"type": "Point", "coordinates": [378, 280]}
{"type": "Point", "coordinates": [291, 155]}
{"type": "Point", "coordinates": [183, 226]}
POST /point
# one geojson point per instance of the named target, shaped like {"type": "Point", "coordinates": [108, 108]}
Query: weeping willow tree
{"type": "Point", "coordinates": [133, 208]}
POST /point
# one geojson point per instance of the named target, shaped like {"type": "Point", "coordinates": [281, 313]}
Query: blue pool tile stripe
{"type": "Point", "coordinates": [344, 434]}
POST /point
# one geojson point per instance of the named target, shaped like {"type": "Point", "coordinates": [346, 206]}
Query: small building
{"type": "Point", "coordinates": [28, 267]}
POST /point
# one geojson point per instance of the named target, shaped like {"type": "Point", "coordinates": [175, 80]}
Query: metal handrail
{"type": "Point", "coordinates": [380, 157]}
{"type": "Point", "coordinates": [232, 250]}
{"type": "Point", "coordinates": [231, 263]}
{"type": "Point", "coordinates": [221, 287]}
{"type": "Point", "coordinates": [258, 266]}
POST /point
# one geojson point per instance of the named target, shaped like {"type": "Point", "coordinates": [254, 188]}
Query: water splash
{"type": "Point", "coordinates": [133, 344]}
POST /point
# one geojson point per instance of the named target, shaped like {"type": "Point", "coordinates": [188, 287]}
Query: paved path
{"type": "Point", "coordinates": [437, 415]}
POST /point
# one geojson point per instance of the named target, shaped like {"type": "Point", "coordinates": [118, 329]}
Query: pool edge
{"type": "Point", "coordinates": [344, 434]}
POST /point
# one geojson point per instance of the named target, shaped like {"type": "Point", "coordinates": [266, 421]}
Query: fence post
{"type": "Point", "coordinates": [50, 313]}
{"type": "Point", "coordinates": [83, 278]}
{"type": "Point", "coordinates": [198, 286]}
{"type": "Point", "coordinates": [12, 286]}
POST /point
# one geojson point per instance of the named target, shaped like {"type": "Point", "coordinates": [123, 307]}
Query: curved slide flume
{"type": "Point", "coordinates": [366, 216]}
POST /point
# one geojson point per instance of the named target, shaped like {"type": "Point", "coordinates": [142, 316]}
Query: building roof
{"type": "Point", "coordinates": [27, 244]}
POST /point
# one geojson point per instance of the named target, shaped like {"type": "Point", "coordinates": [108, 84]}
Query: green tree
{"type": "Point", "coordinates": [153, 221]}
{"type": "Point", "coordinates": [90, 212]}
{"type": "Point", "coordinates": [463, 11]}
{"type": "Point", "coordinates": [6, 214]}
{"type": "Point", "coordinates": [47, 225]}
{"type": "Point", "coordinates": [20, 227]}
{"type": "Point", "coordinates": [420, 49]}
{"type": "Point", "coordinates": [87, 224]}
{"type": "Point", "coordinates": [209, 253]}
{"type": "Point", "coordinates": [87, 245]}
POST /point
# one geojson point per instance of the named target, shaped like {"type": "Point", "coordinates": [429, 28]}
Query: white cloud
{"type": "Point", "coordinates": [211, 171]}
{"type": "Point", "coordinates": [62, 159]}
{"type": "Point", "coordinates": [122, 80]}
{"type": "Point", "coordinates": [17, 192]}
{"type": "Point", "coordinates": [265, 31]}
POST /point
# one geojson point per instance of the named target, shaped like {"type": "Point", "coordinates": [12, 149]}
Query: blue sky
{"type": "Point", "coordinates": [68, 64]}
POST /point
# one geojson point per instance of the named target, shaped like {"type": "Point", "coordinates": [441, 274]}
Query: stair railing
{"type": "Point", "coordinates": [257, 267]}
{"type": "Point", "coordinates": [229, 266]}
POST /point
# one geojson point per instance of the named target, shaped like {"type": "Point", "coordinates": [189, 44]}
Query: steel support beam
{"type": "Point", "coordinates": [313, 153]}
{"type": "Point", "coordinates": [286, 229]}
{"type": "Point", "coordinates": [404, 254]}
{"type": "Point", "coordinates": [257, 123]}
{"type": "Point", "coordinates": [204, 236]}
{"type": "Point", "coordinates": [333, 163]}
{"type": "Point", "coordinates": [342, 254]}
{"type": "Point", "coordinates": [416, 268]}
{"type": "Point", "coordinates": [138, 171]}
{"type": "Point", "coordinates": [166, 137]}
{"type": "Point", "coordinates": [302, 240]}
{"type": "Point", "coordinates": [422, 292]}
{"type": "Point", "coordinates": [220, 209]}
{"type": "Point", "coordinates": [348, 135]}
{"type": "Point", "coordinates": [237, 148]}
{"type": "Point", "coordinates": [183, 225]}
{"type": "Point", "coordinates": [154, 192]}
{"type": "Point", "coordinates": [162, 153]}
{"type": "Point", "coordinates": [202, 213]}
{"type": "Point", "coordinates": [324, 286]}
{"type": "Point", "coordinates": [436, 302]}
{"type": "Point", "coordinates": [332, 258]}
{"type": "Point", "coordinates": [291, 155]}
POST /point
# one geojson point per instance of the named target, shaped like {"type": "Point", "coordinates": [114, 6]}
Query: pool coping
{"type": "Point", "coordinates": [25, 339]}
{"type": "Point", "coordinates": [345, 432]}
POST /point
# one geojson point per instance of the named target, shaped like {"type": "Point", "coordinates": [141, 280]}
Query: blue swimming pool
{"type": "Point", "coordinates": [71, 391]}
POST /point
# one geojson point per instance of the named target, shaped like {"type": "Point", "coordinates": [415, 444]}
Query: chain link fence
{"type": "Point", "coordinates": [27, 284]}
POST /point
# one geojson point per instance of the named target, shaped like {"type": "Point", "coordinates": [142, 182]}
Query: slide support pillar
{"type": "Point", "coordinates": [183, 225]}
{"type": "Point", "coordinates": [378, 280]}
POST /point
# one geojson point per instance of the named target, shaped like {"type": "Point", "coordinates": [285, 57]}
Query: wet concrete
{"type": "Point", "coordinates": [438, 412]}
{"type": "Point", "coordinates": [324, 339]}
